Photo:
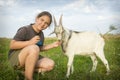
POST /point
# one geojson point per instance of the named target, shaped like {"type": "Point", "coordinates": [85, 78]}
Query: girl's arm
{"type": "Point", "coordinates": [49, 46]}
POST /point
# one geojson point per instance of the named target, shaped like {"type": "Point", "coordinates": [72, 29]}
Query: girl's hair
{"type": "Point", "coordinates": [45, 13]}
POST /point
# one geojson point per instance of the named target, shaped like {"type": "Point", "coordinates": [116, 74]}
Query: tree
{"type": "Point", "coordinates": [111, 28]}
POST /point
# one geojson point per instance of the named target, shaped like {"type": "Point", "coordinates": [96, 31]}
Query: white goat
{"type": "Point", "coordinates": [80, 43]}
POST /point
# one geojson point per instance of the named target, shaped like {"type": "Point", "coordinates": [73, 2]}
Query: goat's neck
{"type": "Point", "coordinates": [65, 38]}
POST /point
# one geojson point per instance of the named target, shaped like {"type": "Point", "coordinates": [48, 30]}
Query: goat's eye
{"type": "Point", "coordinates": [56, 32]}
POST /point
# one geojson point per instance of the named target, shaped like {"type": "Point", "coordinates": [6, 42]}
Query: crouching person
{"type": "Point", "coordinates": [27, 44]}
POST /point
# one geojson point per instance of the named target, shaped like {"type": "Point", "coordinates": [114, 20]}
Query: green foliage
{"type": "Point", "coordinates": [6, 71]}
{"type": "Point", "coordinates": [82, 64]}
{"type": "Point", "coordinates": [4, 45]}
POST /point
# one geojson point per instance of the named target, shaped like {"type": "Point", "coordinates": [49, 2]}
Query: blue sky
{"type": "Point", "coordinates": [78, 15]}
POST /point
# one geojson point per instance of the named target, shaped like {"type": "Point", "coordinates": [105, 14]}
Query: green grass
{"type": "Point", "coordinates": [82, 64]}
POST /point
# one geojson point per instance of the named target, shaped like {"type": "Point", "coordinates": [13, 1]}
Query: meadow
{"type": "Point", "coordinates": [82, 64]}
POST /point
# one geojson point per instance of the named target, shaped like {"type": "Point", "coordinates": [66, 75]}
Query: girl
{"type": "Point", "coordinates": [28, 43]}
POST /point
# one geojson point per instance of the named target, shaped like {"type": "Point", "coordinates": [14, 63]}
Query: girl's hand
{"type": "Point", "coordinates": [56, 44]}
{"type": "Point", "coordinates": [52, 45]}
{"type": "Point", "coordinates": [34, 40]}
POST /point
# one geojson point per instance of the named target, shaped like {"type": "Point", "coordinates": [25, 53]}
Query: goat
{"type": "Point", "coordinates": [80, 43]}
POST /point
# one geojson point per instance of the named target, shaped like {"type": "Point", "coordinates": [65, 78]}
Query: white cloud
{"type": "Point", "coordinates": [21, 19]}
{"type": "Point", "coordinates": [116, 17]}
{"type": "Point", "coordinates": [77, 15]}
{"type": "Point", "coordinates": [4, 3]}
{"type": "Point", "coordinates": [109, 17]}
{"type": "Point", "coordinates": [74, 5]}
{"type": "Point", "coordinates": [81, 6]}
{"type": "Point", "coordinates": [36, 12]}
{"type": "Point", "coordinates": [88, 9]}
{"type": "Point", "coordinates": [101, 17]}
{"type": "Point", "coordinates": [11, 2]}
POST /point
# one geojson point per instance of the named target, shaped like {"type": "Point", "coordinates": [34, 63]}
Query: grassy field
{"type": "Point", "coordinates": [82, 64]}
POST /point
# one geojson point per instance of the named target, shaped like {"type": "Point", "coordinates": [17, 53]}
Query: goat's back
{"type": "Point", "coordinates": [85, 42]}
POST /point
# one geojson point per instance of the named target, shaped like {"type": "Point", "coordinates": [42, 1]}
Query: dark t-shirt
{"type": "Point", "coordinates": [26, 33]}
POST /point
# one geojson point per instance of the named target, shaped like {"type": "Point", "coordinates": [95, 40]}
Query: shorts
{"type": "Point", "coordinates": [14, 61]}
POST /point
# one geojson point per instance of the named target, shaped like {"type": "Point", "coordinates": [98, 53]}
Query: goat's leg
{"type": "Point", "coordinates": [101, 55]}
{"type": "Point", "coordinates": [94, 61]}
{"type": "Point", "coordinates": [72, 69]}
{"type": "Point", "coordinates": [69, 65]}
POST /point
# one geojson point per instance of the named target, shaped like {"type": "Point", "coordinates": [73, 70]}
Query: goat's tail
{"type": "Point", "coordinates": [102, 35]}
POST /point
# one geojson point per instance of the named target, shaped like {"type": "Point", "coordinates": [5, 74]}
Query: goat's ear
{"type": "Point", "coordinates": [55, 24]}
{"type": "Point", "coordinates": [60, 21]}
{"type": "Point", "coordinates": [51, 33]}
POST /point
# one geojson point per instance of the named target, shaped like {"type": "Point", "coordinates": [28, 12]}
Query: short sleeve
{"type": "Point", "coordinates": [21, 34]}
{"type": "Point", "coordinates": [42, 37]}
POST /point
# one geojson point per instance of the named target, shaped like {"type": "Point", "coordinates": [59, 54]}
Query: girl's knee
{"type": "Point", "coordinates": [34, 50]}
{"type": "Point", "coordinates": [47, 64]}
{"type": "Point", "coordinates": [51, 65]}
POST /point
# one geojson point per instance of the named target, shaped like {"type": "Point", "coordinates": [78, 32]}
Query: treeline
{"type": "Point", "coordinates": [112, 36]}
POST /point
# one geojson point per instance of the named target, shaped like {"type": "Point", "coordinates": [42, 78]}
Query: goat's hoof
{"type": "Point", "coordinates": [71, 72]}
{"type": "Point", "coordinates": [67, 76]}
{"type": "Point", "coordinates": [108, 72]}
{"type": "Point", "coordinates": [91, 71]}
{"type": "Point", "coordinates": [42, 73]}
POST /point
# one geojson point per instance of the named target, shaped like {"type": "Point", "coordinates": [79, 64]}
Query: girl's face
{"type": "Point", "coordinates": [42, 22]}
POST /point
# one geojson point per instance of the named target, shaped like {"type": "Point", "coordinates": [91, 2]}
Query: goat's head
{"type": "Point", "coordinates": [58, 29]}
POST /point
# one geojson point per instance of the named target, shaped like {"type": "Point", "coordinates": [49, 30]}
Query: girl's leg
{"type": "Point", "coordinates": [28, 58]}
{"type": "Point", "coordinates": [44, 64]}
